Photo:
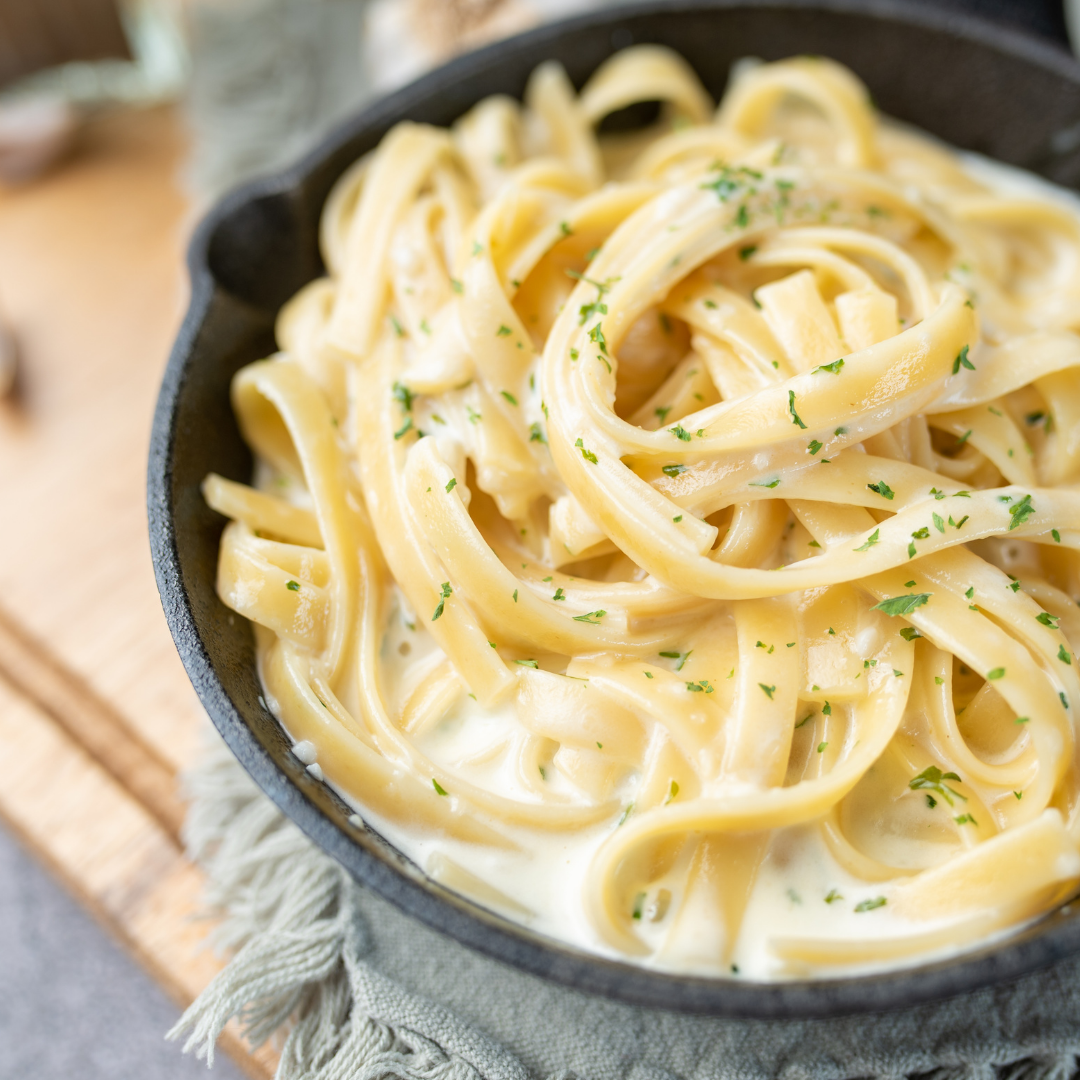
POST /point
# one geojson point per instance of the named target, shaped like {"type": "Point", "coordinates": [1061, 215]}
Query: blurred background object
{"type": "Point", "coordinates": [62, 59]}
{"type": "Point", "coordinates": [91, 51]}
{"type": "Point", "coordinates": [35, 35]}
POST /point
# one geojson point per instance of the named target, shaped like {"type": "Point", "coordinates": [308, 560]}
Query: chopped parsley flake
{"type": "Point", "coordinates": [596, 336]}
{"type": "Point", "coordinates": [832, 897]}
{"type": "Point", "coordinates": [451, 484]}
{"type": "Point", "coordinates": [795, 418]}
{"type": "Point", "coordinates": [768, 691]}
{"type": "Point", "coordinates": [439, 789]}
{"type": "Point", "coordinates": [902, 605]}
{"type": "Point", "coordinates": [680, 433]}
{"type": "Point", "coordinates": [588, 455]}
{"type": "Point", "coordinates": [1063, 655]}
{"type": "Point", "coordinates": [869, 905]}
{"type": "Point", "coordinates": [446, 591]}
{"type": "Point", "coordinates": [832, 369]}
{"type": "Point", "coordinates": [746, 252]}
{"type": "Point", "coordinates": [503, 331]}
{"type": "Point", "coordinates": [1047, 619]}
{"type": "Point", "coordinates": [1019, 512]}
{"type": "Point", "coordinates": [292, 586]}
{"type": "Point", "coordinates": [995, 673]}
{"type": "Point", "coordinates": [509, 397]}
{"type": "Point", "coordinates": [761, 483]}
{"type": "Point", "coordinates": [404, 395]}
{"type": "Point", "coordinates": [962, 361]}
{"type": "Point", "coordinates": [882, 489]}
{"type": "Point", "coordinates": [871, 540]}
{"type": "Point", "coordinates": [536, 433]}
{"type": "Point", "coordinates": [527, 663]}
{"type": "Point", "coordinates": [404, 429]}
{"type": "Point", "coordinates": [674, 470]}
{"type": "Point", "coordinates": [813, 446]}
{"type": "Point", "coordinates": [938, 523]}
{"type": "Point", "coordinates": [592, 617]}
{"type": "Point", "coordinates": [909, 633]}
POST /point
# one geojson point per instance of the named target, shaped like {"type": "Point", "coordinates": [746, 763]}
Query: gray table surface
{"type": "Point", "coordinates": [72, 1003]}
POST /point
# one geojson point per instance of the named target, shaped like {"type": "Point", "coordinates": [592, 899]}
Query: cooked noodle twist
{"type": "Point", "coordinates": [699, 497]}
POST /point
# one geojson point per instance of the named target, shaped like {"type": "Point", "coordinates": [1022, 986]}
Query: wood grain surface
{"type": "Point", "coordinates": [97, 717]}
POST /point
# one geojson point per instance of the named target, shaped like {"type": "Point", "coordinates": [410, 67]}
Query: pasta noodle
{"type": "Point", "coordinates": [671, 539]}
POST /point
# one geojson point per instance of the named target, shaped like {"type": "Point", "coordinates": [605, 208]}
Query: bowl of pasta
{"type": "Point", "coordinates": [619, 496]}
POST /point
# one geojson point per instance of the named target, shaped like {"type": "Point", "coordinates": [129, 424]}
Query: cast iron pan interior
{"type": "Point", "coordinates": [966, 81]}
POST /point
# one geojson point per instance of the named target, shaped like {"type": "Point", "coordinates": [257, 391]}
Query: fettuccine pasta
{"type": "Point", "coordinates": [670, 538]}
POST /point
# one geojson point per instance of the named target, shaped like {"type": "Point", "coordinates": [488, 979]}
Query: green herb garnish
{"type": "Point", "coordinates": [902, 605]}
{"type": "Point", "coordinates": [446, 591]}
{"type": "Point", "coordinates": [795, 418]}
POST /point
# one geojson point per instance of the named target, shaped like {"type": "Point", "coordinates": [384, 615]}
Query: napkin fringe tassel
{"type": "Point", "coordinates": [289, 917]}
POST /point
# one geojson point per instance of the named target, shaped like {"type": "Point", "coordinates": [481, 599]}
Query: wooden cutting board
{"type": "Point", "coordinates": [97, 717]}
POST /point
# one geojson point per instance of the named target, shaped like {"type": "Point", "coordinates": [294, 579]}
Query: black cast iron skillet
{"type": "Point", "coordinates": [965, 80]}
